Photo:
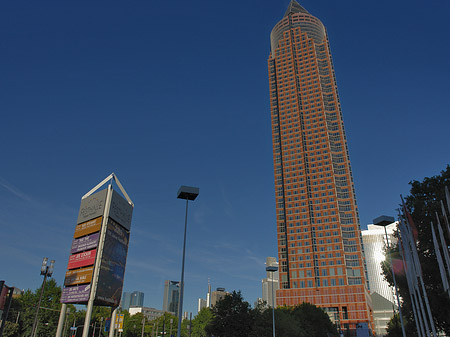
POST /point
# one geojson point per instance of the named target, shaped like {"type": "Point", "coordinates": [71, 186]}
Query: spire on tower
{"type": "Point", "coordinates": [294, 7]}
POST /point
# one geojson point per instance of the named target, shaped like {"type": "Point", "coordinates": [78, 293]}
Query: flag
{"type": "Point", "coordinates": [410, 221]}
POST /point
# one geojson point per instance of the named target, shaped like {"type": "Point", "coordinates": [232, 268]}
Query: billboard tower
{"type": "Point", "coordinates": [96, 267]}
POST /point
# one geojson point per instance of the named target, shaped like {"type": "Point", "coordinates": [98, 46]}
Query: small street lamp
{"type": "Point", "coordinates": [188, 193]}
{"type": "Point", "coordinates": [272, 269]}
{"type": "Point", "coordinates": [384, 221]}
{"type": "Point", "coordinates": [46, 271]}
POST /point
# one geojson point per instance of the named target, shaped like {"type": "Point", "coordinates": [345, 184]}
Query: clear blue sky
{"type": "Point", "coordinates": [166, 93]}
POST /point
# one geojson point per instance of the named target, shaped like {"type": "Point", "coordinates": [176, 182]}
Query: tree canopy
{"type": "Point", "coordinates": [423, 202]}
{"type": "Point", "coordinates": [233, 317]}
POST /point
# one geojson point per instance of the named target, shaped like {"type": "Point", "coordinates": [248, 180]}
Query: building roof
{"type": "Point", "coordinates": [294, 7]}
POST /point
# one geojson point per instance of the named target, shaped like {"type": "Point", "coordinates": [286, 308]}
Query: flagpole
{"type": "Point", "coordinates": [412, 275]}
{"type": "Point", "coordinates": [412, 294]}
{"type": "Point", "coordinates": [444, 245]}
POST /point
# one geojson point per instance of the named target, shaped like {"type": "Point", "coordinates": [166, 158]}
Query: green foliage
{"type": "Point", "coordinates": [133, 325]}
{"type": "Point", "coordinates": [423, 203]}
{"type": "Point", "coordinates": [23, 311]}
{"type": "Point", "coordinates": [394, 328]}
{"type": "Point", "coordinates": [11, 329]}
{"type": "Point", "coordinates": [200, 322]}
{"type": "Point", "coordinates": [233, 317]}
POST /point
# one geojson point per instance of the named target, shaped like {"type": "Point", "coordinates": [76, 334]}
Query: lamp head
{"type": "Point", "coordinates": [50, 268]}
{"type": "Point", "coordinates": [383, 220]}
{"type": "Point", "coordinates": [44, 266]}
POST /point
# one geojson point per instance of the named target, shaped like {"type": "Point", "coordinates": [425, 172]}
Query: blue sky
{"type": "Point", "coordinates": [170, 93]}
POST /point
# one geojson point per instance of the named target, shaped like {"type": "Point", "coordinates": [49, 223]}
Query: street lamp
{"type": "Point", "coordinates": [188, 193]}
{"type": "Point", "coordinates": [272, 269]}
{"type": "Point", "coordinates": [47, 271]}
{"type": "Point", "coordinates": [384, 221]}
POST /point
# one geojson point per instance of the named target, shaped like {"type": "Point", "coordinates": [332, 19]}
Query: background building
{"type": "Point", "coordinates": [270, 281]}
{"type": "Point", "coordinates": [319, 239]}
{"type": "Point", "coordinates": [217, 295]}
{"type": "Point", "coordinates": [374, 240]}
{"type": "Point", "coordinates": [149, 313]}
{"type": "Point", "coordinates": [134, 299]}
{"type": "Point", "coordinates": [381, 292]}
{"type": "Point", "coordinates": [201, 304]}
{"type": "Point", "coordinates": [171, 296]}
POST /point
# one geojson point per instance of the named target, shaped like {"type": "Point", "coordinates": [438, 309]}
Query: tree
{"type": "Point", "coordinates": [423, 203]}
{"type": "Point", "coordinates": [313, 321]}
{"type": "Point", "coordinates": [25, 306]}
{"type": "Point", "coordinates": [394, 328]}
{"type": "Point", "coordinates": [231, 317]}
{"type": "Point", "coordinates": [200, 322]}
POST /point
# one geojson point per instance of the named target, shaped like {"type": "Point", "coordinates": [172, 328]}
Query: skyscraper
{"type": "Point", "coordinates": [270, 284]}
{"type": "Point", "coordinates": [134, 299]}
{"type": "Point", "coordinates": [319, 239]}
{"type": "Point", "coordinates": [374, 240]}
{"type": "Point", "coordinates": [381, 292]}
{"type": "Point", "coordinates": [171, 296]}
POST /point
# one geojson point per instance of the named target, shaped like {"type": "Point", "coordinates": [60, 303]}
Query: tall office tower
{"type": "Point", "coordinates": [134, 299]}
{"type": "Point", "coordinates": [171, 296]}
{"type": "Point", "coordinates": [137, 299]}
{"type": "Point", "coordinates": [319, 239]}
{"type": "Point", "coordinates": [374, 239]}
{"type": "Point", "coordinates": [218, 295]}
{"type": "Point", "coordinates": [126, 301]}
{"type": "Point", "coordinates": [382, 294]}
{"type": "Point", "coordinates": [270, 284]}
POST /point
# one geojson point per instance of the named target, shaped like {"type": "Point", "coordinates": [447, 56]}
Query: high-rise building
{"type": "Point", "coordinates": [134, 299]}
{"type": "Point", "coordinates": [171, 296]}
{"type": "Point", "coordinates": [217, 295]}
{"type": "Point", "coordinates": [201, 304]}
{"type": "Point", "coordinates": [270, 284]}
{"type": "Point", "coordinates": [126, 301]}
{"type": "Point", "coordinates": [374, 239]}
{"type": "Point", "coordinates": [319, 238]}
{"type": "Point", "coordinates": [137, 299]}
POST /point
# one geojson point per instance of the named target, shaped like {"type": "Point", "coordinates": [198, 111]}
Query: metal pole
{"type": "Point", "coordinates": [112, 322]}
{"type": "Point", "coordinates": [180, 302]}
{"type": "Point", "coordinates": [395, 283]}
{"type": "Point", "coordinates": [93, 331]}
{"type": "Point", "coordinates": [171, 323]}
{"type": "Point", "coordinates": [273, 309]}
{"type": "Point", "coordinates": [143, 324]}
{"type": "Point", "coordinates": [62, 316]}
{"type": "Point", "coordinates": [34, 328]}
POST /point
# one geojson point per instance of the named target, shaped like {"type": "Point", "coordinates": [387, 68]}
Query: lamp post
{"type": "Point", "coordinates": [46, 271]}
{"type": "Point", "coordinates": [188, 193]}
{"type": "Point", "coordinates": [272, 269]}
{"type": "Point", "coordinates": [384, 221]}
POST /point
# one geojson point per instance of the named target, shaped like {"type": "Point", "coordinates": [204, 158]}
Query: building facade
{"type": "Point", "coordinates": [319, 238]}
{"type": "Point", "coordinates": [270, 284]}
{"type": "Point", "coordinates": [374, 239]}
{"type": "Point", "coordinates": [134, 299]}
{"type": "Point", "coordinates": [217, 295]}
{"type": "Point", "coordinates": [149, 313]}
{"type": "Point", "coordinates": [171, 296]}
{"type": "Point", "coordinates": [382, 294]}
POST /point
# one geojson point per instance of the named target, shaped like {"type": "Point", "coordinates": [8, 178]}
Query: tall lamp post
{"type": "Point", "coordinates": [187, 193]}
{"type": "Point", "coordinates": [384, 221]}
{"type": "Point", "coordinates": [47, 271]}
{"type": "Point", "coordinates": [272, 269]}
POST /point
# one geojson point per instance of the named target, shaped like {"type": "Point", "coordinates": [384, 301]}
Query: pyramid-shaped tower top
{"type": "Point", "coordinates": [294, 7]}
